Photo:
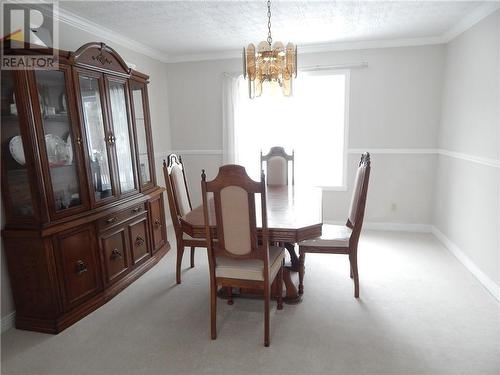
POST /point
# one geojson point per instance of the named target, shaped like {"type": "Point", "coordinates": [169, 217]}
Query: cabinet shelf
{"type": "Point", "coordinates": [57, 253]}
{"type": "Point", "coordinates": [56, 117]}
{"type": "Point", "coordinates": [55, 166]}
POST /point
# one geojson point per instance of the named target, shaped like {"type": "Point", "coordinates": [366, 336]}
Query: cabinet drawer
{"type": "Point", "coordinates": [157, 222]}
{"type": "Point", "coordinates": [114, 248]}
{"type": "Point", "coordinates": [78, 265]}
{"type": "Point", "coordinates": [139, 239]}
{"type": "Point", "coordinates": [120, 216]}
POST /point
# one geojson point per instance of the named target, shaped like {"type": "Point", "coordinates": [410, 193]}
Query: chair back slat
{"type": "Point", "coordinates": [277, 166]}
{"type": "Point", "coordinates": [234, 203]}
{"type": "Point", "coordinates": [177, 189]}
{"type": "Point", "coordinates": [360, 190]}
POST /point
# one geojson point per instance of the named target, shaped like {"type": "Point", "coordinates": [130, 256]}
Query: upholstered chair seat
{"type": "Point", "coordinates": [332, 236]}
{"type": "Point", "coordinates": [250, 269]}
{"type": "Point", "coordinates": [342, 239]}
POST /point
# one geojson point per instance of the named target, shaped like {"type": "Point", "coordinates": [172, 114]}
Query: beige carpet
{"type": "Point", "coordinates": [420, 312]}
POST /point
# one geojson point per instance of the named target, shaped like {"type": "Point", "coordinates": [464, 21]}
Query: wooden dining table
{"type": "Point", "coordinates": [294, 213]}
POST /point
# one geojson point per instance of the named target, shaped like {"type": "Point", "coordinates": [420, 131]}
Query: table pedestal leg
{"type": "Point", "coordinates": [293, 256]}
{"type": "Point", "coordinates": [292, 296]}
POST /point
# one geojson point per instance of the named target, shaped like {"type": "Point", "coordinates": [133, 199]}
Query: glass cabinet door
{"type": "Point", "coordinates": [15, 184]}
{"type": "Point", "coordinates": [141, 130]}
{"type": "Point", "coordinates": [121, 135]}
{"type": "Point", "coordinates": [99, 153]}
{"type": "Point", "coordinates": [60, 140]}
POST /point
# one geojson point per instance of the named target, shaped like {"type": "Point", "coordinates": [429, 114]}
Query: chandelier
{"type": "Point", "coordinates": [272, 64]}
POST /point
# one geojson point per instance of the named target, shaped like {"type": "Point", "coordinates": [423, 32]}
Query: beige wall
{"type": "Point", "coordinates": [395, 103]}
{"type": "Point", "coordinates": [467, 199]}
{"type": "Point", "coordinates": [71, 39]}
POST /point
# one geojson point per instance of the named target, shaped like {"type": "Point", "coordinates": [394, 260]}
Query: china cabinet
{"type": "Point", "coordinates": [84, 217]}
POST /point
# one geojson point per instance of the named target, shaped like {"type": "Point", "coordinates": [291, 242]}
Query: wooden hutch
{"type": "Point", "coordinates": [84, 217]}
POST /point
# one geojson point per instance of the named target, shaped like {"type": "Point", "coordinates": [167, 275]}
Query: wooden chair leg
{"type": "Point", "coordinates": [267, 297]}
{"type": "Point", "coordinates": [229, 291]}
{"type": "Point", "coordinates": [192, 256]}
{"type": "Point", "coordinates": [354, 269]}
{"type": "Point", "coordinates": [350, 269]}
{"type": "Point", "coordinates": [213, 311]}
{"type": "Point", "coordinates": [280, 287]}
{"type": "Point", "coordinates": [180, 253]}
{"type": "Point", "coordinates": [302, 260]}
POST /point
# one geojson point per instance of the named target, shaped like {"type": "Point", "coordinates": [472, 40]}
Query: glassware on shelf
{"type": "Point", "coordinates": [17, 150]}
{"type": "Point", "coordinates": [58, 129]}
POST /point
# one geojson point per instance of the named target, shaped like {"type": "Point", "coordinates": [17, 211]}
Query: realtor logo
{"type": "Point", "coordinates": [28, 27]}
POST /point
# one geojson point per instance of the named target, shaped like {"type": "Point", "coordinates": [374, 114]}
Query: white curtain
{"type": "Point", "coordinates": [230, 103]}
{"type": "Point", "coordinates": [312, 123]}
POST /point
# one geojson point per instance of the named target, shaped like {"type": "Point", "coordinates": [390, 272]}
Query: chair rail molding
{"type": "Point", "coordinates": [198, 152]}
{"type": "Point", "coordinates": [472, 158]}
{"type": "Point", "coordinates": [374, 151]}
{"type": "Point", "coordinates": [404, 151]}
{"type": "Point", "coordinates": [429, 151]}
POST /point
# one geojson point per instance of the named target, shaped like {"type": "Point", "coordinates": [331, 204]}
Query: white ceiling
{"type": "Point", "coordinates": [182, 28]}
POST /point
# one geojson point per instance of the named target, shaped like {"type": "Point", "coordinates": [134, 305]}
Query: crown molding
{"type": "Point", "coordinates": [205, 56]}
{"type": "Point", "coordinates": [464, 24]}
{"type": "Point", "coordinates": [86, 25]}
{"type": "Point", "coordinates": [316, 48]}
{"type": "Point", "coordinates": [477, 15]}
{"type": "Point", "coordinates": [370, 44]}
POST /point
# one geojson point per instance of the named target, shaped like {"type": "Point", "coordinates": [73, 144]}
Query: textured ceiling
{"type": "Point", "coordinates": [194, 27]}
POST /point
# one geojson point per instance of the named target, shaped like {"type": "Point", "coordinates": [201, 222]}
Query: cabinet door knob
{"type": "Point", "coordinates": [80, 267]}
{"type": "Point", "coordinates": [135, 210]}
{"type": "Point", "coordinates": [79, 141]}
{"type": "Point", "coordinates": [139, 241]}
{"type": "Point", "coordinates": [111, 220]}
{"type": "Point", "coordinates": [115, 253]}
{"type": "Point", "coordinates": [158, 223]}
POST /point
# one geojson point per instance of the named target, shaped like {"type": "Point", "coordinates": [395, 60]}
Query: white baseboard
{"type": "Point", "coordinates": [484, 279]}
{"type": "Point", "coordinates": [8, 321]}
{"type": "Point", "coordinates": [399, 227]}
{"type": "Point", "coordinates": [393, 227]}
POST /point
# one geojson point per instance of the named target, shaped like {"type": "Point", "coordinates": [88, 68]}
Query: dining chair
{"type": "Point", "coordinates": [277, 165]}
{"type": "Point", "coordinates": [342, 239]}
{"type": "Point", "coordinates": [237, 257]}
{"type": "Point", "coordinates": [180, 204]}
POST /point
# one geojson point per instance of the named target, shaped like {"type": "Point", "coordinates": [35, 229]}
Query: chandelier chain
{"type": "Point", "coordinates": [269, 37]}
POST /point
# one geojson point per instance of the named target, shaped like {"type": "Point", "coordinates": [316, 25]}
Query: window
{"type": "Point", "coordinates": [313, 123]}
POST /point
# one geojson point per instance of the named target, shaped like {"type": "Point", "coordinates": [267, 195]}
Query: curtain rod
{"type": "Point", "coordinates": [360, 65]}
{"type": "Point", "coordinates": [313, 68]}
